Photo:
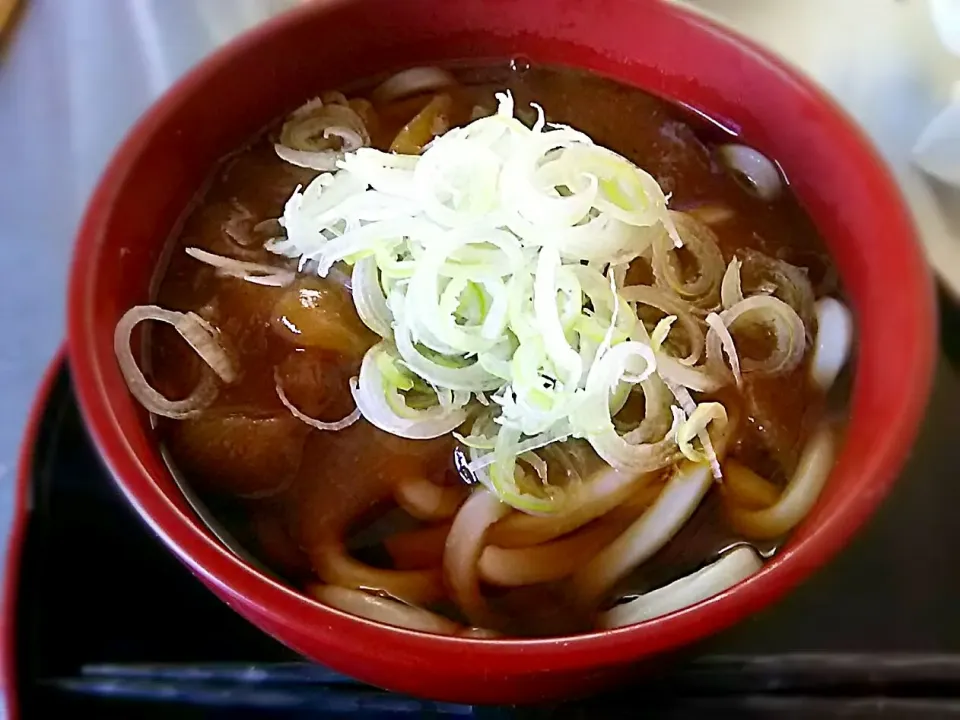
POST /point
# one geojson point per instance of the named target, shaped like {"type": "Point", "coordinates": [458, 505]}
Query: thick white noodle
{"type": "Point", "coordinates": [721, 575]}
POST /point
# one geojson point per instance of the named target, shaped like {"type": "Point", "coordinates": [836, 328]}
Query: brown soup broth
{"type": "Point", "coordinates": [281, 485]}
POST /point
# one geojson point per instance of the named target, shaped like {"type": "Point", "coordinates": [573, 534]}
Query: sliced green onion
{"type": "Point", "coordinates": [492, 265]}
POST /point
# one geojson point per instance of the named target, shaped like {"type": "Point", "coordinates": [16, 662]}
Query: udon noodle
{"type": "Point", "coordinates": [493, 352]}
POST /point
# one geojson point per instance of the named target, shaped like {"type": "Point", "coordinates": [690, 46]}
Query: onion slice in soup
{"type": "Point", "coordinates": [350, 139]}
{"type": "Point", "coordinates": [311, 133]}
{"type": "Point", "coordinates": [772, 276]}
{"type": "Point", "coordinates": [378, 396]}
{"type": "Point", "coordinates": [368, 297]}
{"type": "Point", "coordinates": [674, 306]}
{"type": "Point", "coordinates": [638, 450]}
{"type": "Point", "coordinates": [412, 81]}
{"type": "Point", "coordinates": [729, 346]}
{"type": "Point", "coordinates": [312, 125]}
{"type": "Point", "coordinates": [703, 289]}
{"type": "Point", "coordinates": [199, 334]}
{"type": "Point", "coordinates": [702, 378]}
{"type": "Point", "coordinates": [304, 418]}
{"type": "Point", "coordinates": [695, 427]}
{"type": "Point", "coordinates": [731, 290]}
{"type": "Point", "coordinates": [323, 160]}
{"type": "Point", "coordinates": [257, 273]}
{"type": "Point", "coordinates": [773, 314]}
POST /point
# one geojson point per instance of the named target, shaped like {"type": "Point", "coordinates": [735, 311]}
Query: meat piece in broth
{"type": "Point", "coordinates": [317, 384]}
{"type": "Point", "coordinates": [237, 452]}
{"type": "Point", "coordinates": [277, 547]}
{"type": "Point", "coordinates": [317, 314]}
{"type": "Point", "coordinates": [343, 479]}
{"type": "Point", "coordinates": [345, 474]}
{"type": "Point", "coordinates": [776, 410]}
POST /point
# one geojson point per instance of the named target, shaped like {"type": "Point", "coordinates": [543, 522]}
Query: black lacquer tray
{"type": "Point", "coordinates": [874, 634]}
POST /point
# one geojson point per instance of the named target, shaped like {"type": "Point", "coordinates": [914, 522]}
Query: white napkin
{"type": "Point", "coordinates": [937, 151]}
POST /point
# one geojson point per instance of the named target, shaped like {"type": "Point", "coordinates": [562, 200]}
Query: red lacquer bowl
{"type": "Point", "coordinates": [652, 45]}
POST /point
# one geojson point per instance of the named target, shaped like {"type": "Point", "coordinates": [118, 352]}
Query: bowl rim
{"type": "Point", "coordinates": [283, 606]}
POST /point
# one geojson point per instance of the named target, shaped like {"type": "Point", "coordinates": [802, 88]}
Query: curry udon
{"type": "Point", "coordinates": [509, 351]}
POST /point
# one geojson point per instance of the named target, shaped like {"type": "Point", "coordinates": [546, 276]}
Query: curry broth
{"type": "Point", "coordinates": [295, 481]}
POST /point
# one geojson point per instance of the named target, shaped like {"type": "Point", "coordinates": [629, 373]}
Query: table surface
{"type": "Point", "coordinates": [75, 75]}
